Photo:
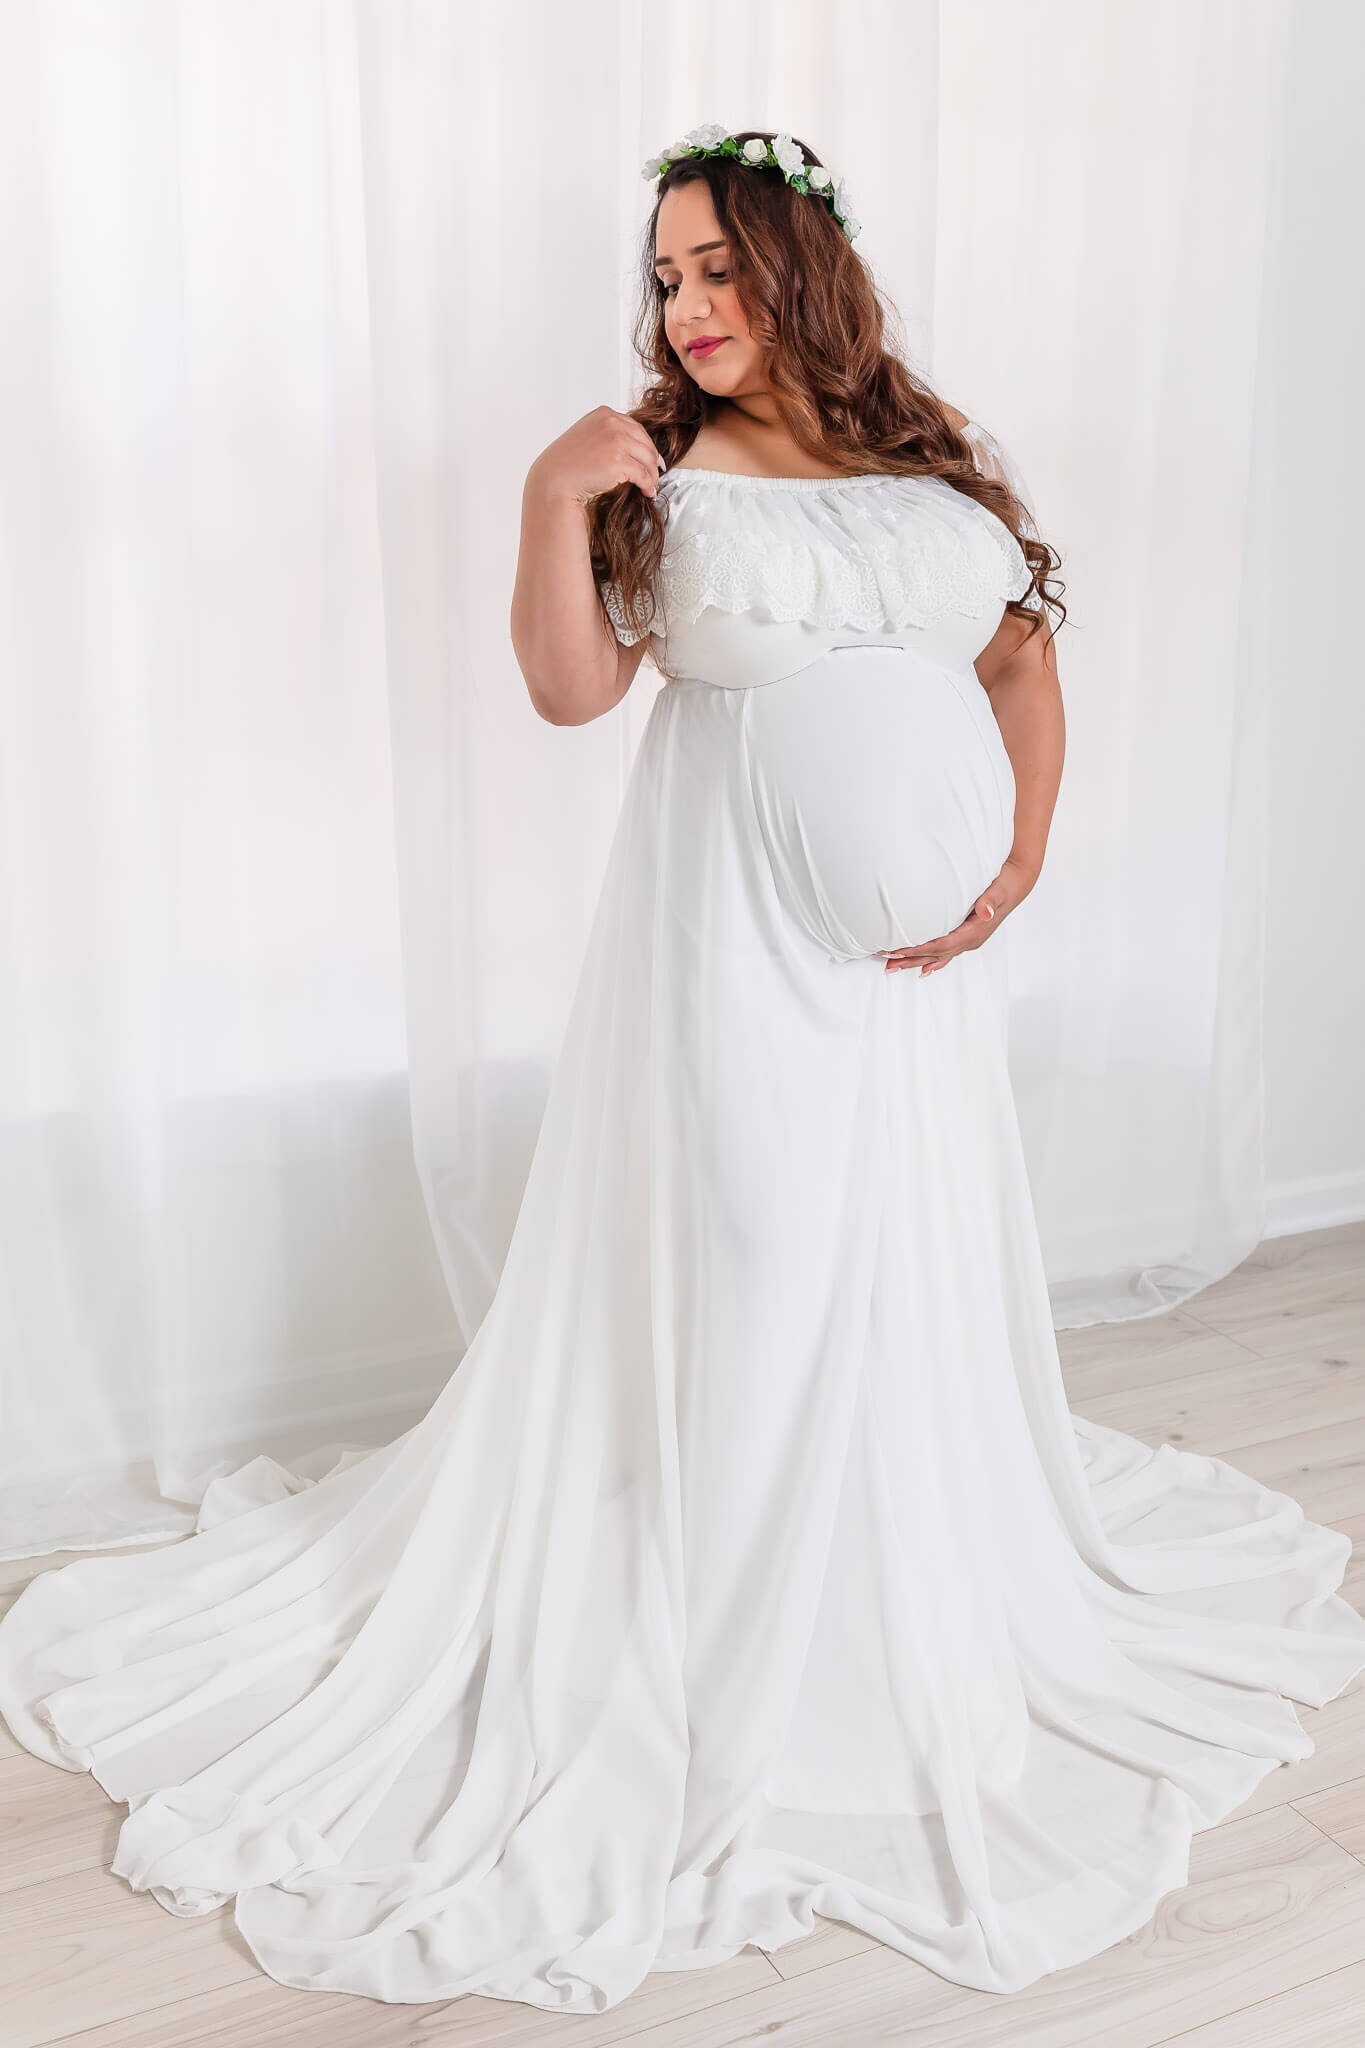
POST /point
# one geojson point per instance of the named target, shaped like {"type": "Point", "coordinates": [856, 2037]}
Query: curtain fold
{"type": "Point", "coordinates": [296, 885]}
{"type": "Point", "coordinates": [1100, 299]}
{"type": "Point", "coordinates": [212, 1234]}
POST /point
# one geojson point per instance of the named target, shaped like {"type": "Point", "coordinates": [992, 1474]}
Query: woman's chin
{"type": "Point", "coordinates": [719, 374]}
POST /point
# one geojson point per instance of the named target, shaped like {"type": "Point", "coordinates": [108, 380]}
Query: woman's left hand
{"type": "Point", "coordinates": [1010, 887]}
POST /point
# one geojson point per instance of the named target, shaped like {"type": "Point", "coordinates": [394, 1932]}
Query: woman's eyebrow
{"type": "Point", "coordinates": [700, 250]}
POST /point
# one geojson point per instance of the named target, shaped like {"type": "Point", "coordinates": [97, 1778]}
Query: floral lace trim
{"type": "Point", "coordinates": [611, 598]}
{"type": "Point", "coordinates": [922, 573]}
{"type": "Point", "coordinates": [862, 588]}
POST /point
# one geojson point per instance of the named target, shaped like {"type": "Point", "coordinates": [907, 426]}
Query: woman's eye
{"type": "Point", "coordinates": [712, 277]}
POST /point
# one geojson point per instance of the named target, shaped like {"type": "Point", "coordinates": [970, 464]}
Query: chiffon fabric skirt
{"type": "Point", "coordinates": [750, 1565]}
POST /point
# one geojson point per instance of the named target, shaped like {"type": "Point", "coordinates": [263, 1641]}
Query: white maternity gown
{"type": "Point", "coordinates": [750, 1565]}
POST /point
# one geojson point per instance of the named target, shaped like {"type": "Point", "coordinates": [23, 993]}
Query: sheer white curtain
{"type": "Point", "coordinates": [296, 884]}
{"type": "Point", "coordinates": [1106, 190]}
{"type": "Point", "coordinates": [212, 1235]}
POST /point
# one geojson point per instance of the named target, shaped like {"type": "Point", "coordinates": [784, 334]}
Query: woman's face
{"type": "Point", "coordinates": [691, 258]}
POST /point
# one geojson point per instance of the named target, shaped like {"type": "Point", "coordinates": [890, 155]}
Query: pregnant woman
{"type": "Point", "coordinates": [751, 1565]}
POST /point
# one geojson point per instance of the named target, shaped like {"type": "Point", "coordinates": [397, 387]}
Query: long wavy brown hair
{"type": "Point", "coordinates": [844, 396]}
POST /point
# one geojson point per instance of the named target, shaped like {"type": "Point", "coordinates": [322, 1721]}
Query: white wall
{"type": "Point", "coordinates": [1315, 958]}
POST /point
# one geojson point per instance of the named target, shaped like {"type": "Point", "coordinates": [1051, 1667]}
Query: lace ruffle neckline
{"type": "Point", "coordinates": [790, 483]}
{"type": "Point", "coordinates": [862, 552]}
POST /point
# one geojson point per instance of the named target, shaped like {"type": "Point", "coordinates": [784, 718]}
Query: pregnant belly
{"type": "Point", "coordinates": [884, 795]}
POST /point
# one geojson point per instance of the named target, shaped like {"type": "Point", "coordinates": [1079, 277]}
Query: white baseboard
{"type": "Point", "coordinates": [1315, 1204]}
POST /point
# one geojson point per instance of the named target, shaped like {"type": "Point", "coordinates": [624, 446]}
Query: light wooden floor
{"type": "Point", "coordinates": [1266, 1944]}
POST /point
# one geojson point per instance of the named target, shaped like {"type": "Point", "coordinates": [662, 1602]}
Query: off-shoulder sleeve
{"type": "Point", "coordinates": [994, 460]}
{"type": "Point", "coordinates": [624, 631]}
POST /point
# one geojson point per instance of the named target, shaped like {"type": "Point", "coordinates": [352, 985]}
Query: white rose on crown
{"type": "Point", "coordinates": [788, 156]}
{"type": "Point", "coordinates": [755, 149]}
{"type": "Point", "coordinates": [817, 176]}
{"type": "Point", "coordinates": [707, 136]}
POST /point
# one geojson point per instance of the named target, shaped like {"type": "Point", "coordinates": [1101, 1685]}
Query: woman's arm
{"type": "Point", "coordinates": [575, 667]}
{"type": "Point", "coordinates": [1018, 668]}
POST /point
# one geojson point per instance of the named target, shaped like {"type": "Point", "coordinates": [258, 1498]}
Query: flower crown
{"type": "Point", "coordinates": [781, 154]}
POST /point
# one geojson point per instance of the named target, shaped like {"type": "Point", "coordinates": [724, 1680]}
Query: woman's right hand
{"type": "Point", "coordinates": [603, 449]}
